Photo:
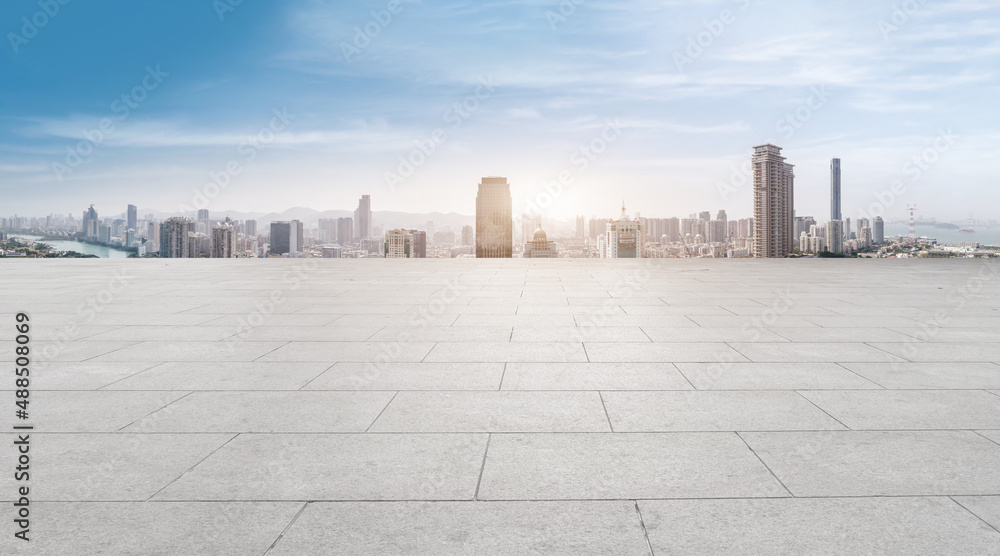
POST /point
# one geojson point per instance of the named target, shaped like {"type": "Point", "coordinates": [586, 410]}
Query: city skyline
{"type": "Point", "coordinates": [673, 131]}
{"type": "Point", "coordinates": [503, 277]}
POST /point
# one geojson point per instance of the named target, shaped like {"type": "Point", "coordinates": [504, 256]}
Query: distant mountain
{"type": "Point", "coordinates": [310, 217]}
{"type": "Point", "coordinates": [391, 219]}
{"type": "Point", "coordinates": [216, 214]}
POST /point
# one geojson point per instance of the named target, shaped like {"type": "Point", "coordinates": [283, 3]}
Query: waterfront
{"type": "Point", "coordinates": [948, 236]}
{"type": "Point", "coordinates": [102, 251]}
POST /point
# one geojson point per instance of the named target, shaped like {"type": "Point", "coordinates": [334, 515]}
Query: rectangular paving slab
{"type": "Point", "coordinates": [863, 463]}
{"type": "Point", "coordinates": [846, 526]}
{"type": "Point", "coordinates": [459, 528]}
{"type": "Point", "coordinates": [616, 466]}
{"type": "Point", "coordinates": [337, 467]}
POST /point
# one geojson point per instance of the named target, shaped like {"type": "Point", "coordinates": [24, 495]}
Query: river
{"type": "Point", "coordinates": [102, 251]}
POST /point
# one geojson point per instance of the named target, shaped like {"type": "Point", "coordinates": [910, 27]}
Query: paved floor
{"type": "Point", "coordinates": [507, 407]}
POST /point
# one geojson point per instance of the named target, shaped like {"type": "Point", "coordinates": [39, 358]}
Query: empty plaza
{"type": "Point", "coordinates": [463, 406]}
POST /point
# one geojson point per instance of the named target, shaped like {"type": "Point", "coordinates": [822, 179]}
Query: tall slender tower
{"type": "Point", "coordinates": [773, 202]}
{"type": "Point", "coordinates": [835, 190]}
{"type": "Point", "coordinates": [363, 218]}
{"type": "Point", "coordinates": [494, 219]}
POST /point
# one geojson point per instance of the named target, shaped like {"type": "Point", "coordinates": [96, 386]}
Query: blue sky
{"type": "Point", "coordinates": [617, 98]}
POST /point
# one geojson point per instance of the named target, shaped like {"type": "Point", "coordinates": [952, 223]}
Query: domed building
{"type": "Point", "coordinates": [540, 247]}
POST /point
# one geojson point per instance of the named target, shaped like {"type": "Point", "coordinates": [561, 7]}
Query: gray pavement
{"type": "Point", "coordinates": [507, 407]}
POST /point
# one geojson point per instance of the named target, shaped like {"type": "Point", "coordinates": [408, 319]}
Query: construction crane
{"type": "Point", "coordinates": [687, 247]}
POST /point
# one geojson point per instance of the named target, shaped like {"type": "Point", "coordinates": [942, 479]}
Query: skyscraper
{"type": "Point", "coordinates": [90, 223]}
{"type": "Point", "coordinates": [250, 228]}
{"type": "Point", "coordinates": [597, 227]}
{"type": "Point", "coordinates": [280, 238]}
{"type": "Point", "coordinates": [716, 231]}
{"type": "Point", "coordinates": [345, 231]}
{"type": "Point", "coordinates": [673, 231]}
{"type": "Point", "coordinates": [623, 238]}
{"type": "Point", "coordinates": [773, 203]}
{"type": "Point", "coordinates": [398, 244]}
{"type": "Point", "coordinates": [835, 236]}
{"type": "Point", "coordinates": [328, 230]}
{"type": "Point", "coordinates": [174, 243]}
{"type": "Point", "coordinates": [879, 234]}
{"type": "Point", "coordinates": [363, 218]}
{"type": "Point", "coordinates": [835, 190]}
{"type": "Point", "coordinates": [153, 237]}
{"type": "Point", "coordinates": [494, 219]}
{"type": "Point", "coordinates": [862, 223]}
{"type": "Point", "coordinates": [286, 237]}
{"type": "Point", "coordinates": [467, 235]}
{"type": "Point", "coordinates": [419, 248]}
{"type": "Point", "coordinates": [580, 227]}
{"type": "Point", "coordinates": [204, 223]}
{"type": "Point", "coordinates": [864, 234]}
{"type": "Point", "coordinates": [132, 218]}
{"type": "Point", "coordinates": [224, 240]}
{"type": "Point", "coordinates": [692, 228]}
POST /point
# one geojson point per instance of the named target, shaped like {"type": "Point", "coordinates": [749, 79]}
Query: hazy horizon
{"type": "Point", "coordinates": [337, 95]}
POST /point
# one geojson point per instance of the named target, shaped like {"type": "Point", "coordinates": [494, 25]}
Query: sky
{"type": "Point", "coordinates": [261, 106]}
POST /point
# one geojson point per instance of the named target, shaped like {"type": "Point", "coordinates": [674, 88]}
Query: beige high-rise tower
{"type": "Point", "coordinates": [494, 220]}
{"type": "Point", "coordinates": [773, 203]}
